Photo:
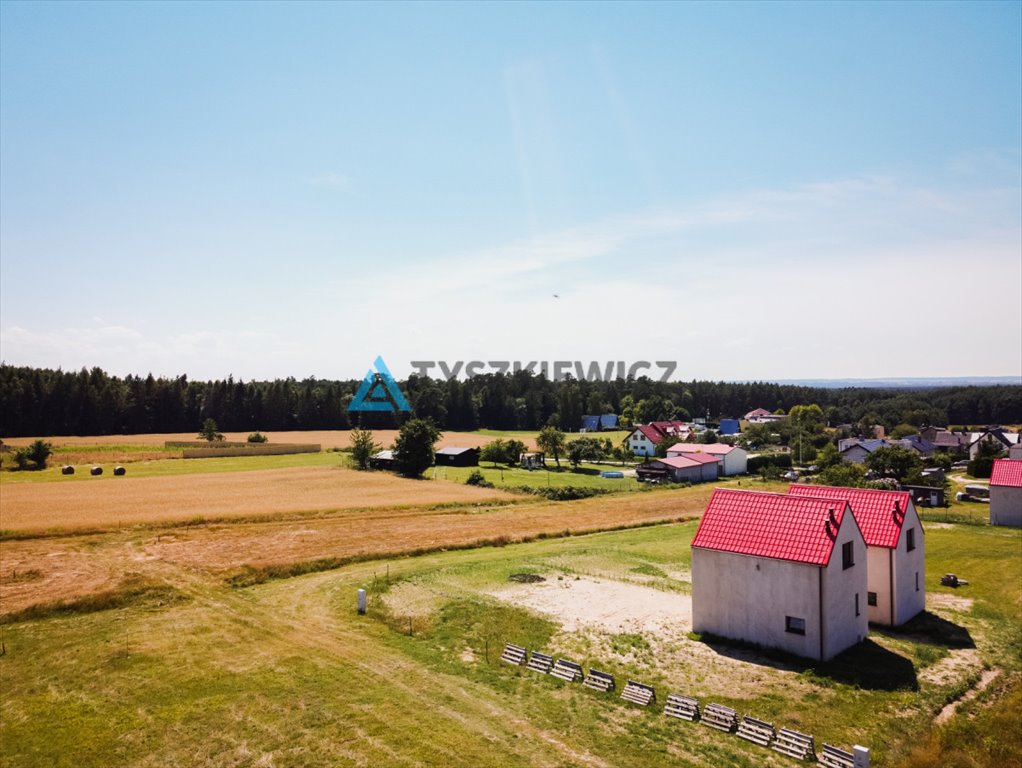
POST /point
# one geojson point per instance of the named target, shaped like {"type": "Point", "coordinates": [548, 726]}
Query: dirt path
{"type": "Point", "coordinates": [988, 676]}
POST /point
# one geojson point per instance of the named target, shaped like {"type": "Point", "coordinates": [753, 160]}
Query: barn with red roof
{"type": "Point", "coordinates": [1006, 493]}
{"type": "Point", "coordinates": [780, 571]}
{"type": "Point", "coordinates": [896, 558]}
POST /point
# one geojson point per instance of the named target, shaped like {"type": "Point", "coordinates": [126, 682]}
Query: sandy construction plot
{"type": "Point", "coordinates": [612, 606]}
{"type": "Point", "coordinates": [111, 502]}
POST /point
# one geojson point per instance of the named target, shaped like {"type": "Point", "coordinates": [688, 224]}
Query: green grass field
{"type": "Point", "coordinates": [192, 672]}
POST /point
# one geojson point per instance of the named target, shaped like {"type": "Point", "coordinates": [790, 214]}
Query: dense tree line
{"type": "Point", "coordinates": [36, 401]}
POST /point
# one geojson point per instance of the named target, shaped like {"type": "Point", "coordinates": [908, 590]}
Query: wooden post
{"type": "Point", "coordinates": [361, 602]}
{"type": "Point", "coordinates": [409, 626]}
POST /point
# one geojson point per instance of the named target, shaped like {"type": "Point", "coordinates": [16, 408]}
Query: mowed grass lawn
{"type": "Point", "coordinates": [286, 673]}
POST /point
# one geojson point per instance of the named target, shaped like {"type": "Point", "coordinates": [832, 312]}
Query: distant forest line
{"type": "Point", "coordinates": [36, 401]}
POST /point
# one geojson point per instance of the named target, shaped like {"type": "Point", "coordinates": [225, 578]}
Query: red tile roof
{"type": "Point", "coordinates": [1007, 472]}
{"type": "Point", "coordinates": [702, 458]}
{"type": "Point", "coordinates": [774, 525]}
{"type": "Point", "coordinates": [652, 433]}
{"type": "Point", "coordinates": [680, 462]}
{"type": "Point", "coordinates": [716, 449]}
{"type": "Point", "coordinates": [757, 412]}
{"type": "Point", "coordinates": [873, 510]}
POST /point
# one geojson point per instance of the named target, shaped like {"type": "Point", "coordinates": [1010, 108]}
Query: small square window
{"type": "Point", "coordinates": [910, 539]}
{"type": "Point", "coordinates": [871, 598]}
{"type": "Point", "coordinates": [847, 555]}
{"type": "Point", "coordinates": [794, 625]}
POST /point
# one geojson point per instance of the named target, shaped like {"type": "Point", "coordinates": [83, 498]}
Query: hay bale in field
{"type": "Point", "coordinates": [119, 471]}
{"type": "Point", "coordinates": [67, 470]}
{"type": "Point", "coordinates": [96, 471]}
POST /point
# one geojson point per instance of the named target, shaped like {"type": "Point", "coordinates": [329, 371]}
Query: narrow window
{"type": "Point", "coordinates": [847, 555]}
{"type": "Point", "coordinates": [910, 540]}
{"type": "Point", "coordinates": [917, 581]}
{"type": "Point", "coordinates": [856, 603]}
{"type": "Point", "coordinates": [871, 598]}
{"type": "Point", "coordinates": [794, 625]}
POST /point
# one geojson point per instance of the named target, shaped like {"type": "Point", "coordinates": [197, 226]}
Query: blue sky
{"type": "Point", "coordinates": [754, 190]}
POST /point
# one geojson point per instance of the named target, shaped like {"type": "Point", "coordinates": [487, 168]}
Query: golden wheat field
{"type": "Point", "coordinates": [327, 438]}
{"type": "Point", "coordinates": [113, 502]}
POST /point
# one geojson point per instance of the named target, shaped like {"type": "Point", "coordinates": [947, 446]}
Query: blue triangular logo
{"type": "Point", "coordinates": [379, 392]}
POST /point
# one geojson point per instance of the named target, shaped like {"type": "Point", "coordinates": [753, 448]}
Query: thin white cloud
{"type": "Point", "coordinates": [330, 179]}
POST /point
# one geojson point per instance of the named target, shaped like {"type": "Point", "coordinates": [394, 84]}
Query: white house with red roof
{"type": "Point", "coordinates": [896, 560]}
{"type": "Point", "coordinates": [734, 460]}
{"type": "Point", "coordinates": [780, 571]}
{"type": "Point", "coordinates": [643, 439]}
{"type": "Point", "coordinates": [1006, 493]}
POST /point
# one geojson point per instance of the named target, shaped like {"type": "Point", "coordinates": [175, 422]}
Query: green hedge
{"type": "Point", "coordinates": [779, 460]}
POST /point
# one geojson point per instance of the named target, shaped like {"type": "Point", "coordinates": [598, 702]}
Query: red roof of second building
{"type": "Point", "coordinates": [873, 510]}
{"type": "Point", "coordinates": [774, 525]}
{"type": "Point", "coordinates": [1007, 472]}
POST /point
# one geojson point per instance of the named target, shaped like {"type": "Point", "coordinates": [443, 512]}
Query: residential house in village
{"type": "Point", "coordinates": [1006, 493]}
{"type": "Point", "coordinates": [734, 459]}
{"type": "Point", "coordinates": [643, 439]}
{"type": "Point", "coordinates": [896, 558]}
{"type": "Point", "coordinates": [782, 571]}
{"type": "Point", "coordinates": [855, 450]}
{"type": "Point", "coordinates": [996, 436]}
{"type": "Point", "coordinates": [762, 416]}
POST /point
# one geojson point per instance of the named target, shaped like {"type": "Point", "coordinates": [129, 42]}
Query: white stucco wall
{"type": "Point", "coordinates": [1006, 506]}
{"type": "Point", "coordinates": [640, 445]}
{"type": "Point", "coordinates": [909, 570]}
{"type": "Point", "coordinates": [748, 598]}
{"type": "Point", "coordinates": [736, 462]}
{"type": "Point", "coordinates": [879, 580]}
{"type": "Point", "coordinates": [842, 627]}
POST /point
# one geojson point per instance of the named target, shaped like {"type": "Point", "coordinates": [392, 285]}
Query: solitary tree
{"type": "Point", "coordinates": [585, 449]}
{"type": "Point", "coordinates": [552, 442]}
{"type": "Point", "coordinates": [209, 431]}
{"type": "Point", "coordinates": [494, 451]}
{"type": "Point", "coordinates": [362, 447]}
{"type": "Point", "coordinates": [895, 462]}
{"type": "Point", "coordinates": [413, 449]}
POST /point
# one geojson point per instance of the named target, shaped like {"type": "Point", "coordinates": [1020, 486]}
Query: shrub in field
{"type": "Point", "coordinates": [209, 431]}
{"type": "Point", "coordinates": [36, 454]}
{"type": "Point", "coordinates": [479, 479]}
{"type": "Point", "coordinates": [257, 437]}
{"type": "Point", "coordinates": [563, 493]}
{"type": "Point", "coordinates": [362, 447]}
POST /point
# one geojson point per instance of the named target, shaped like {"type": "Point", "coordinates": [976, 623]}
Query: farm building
{"type": "Point", "coordinates": [780, 571]}
{"type": "Point", "coordinates": [644, 439]}
{"type": "Point", "coordinates": [599, 423]}
{"type": "Point", "coordinates": [457, 457]}
{"type": "Point", "coordinates": [1006, 493]}
{"type": "Point", "coordinates": [734, 460]}
{"type": "Point", "coordinates": [382, 460]}
{"type": "Point", "coordinates": [680, 469]}
{"type": "Point", "coordinates": [896, 559]}
{"type": "Point", "coordinates": [728, 427]}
